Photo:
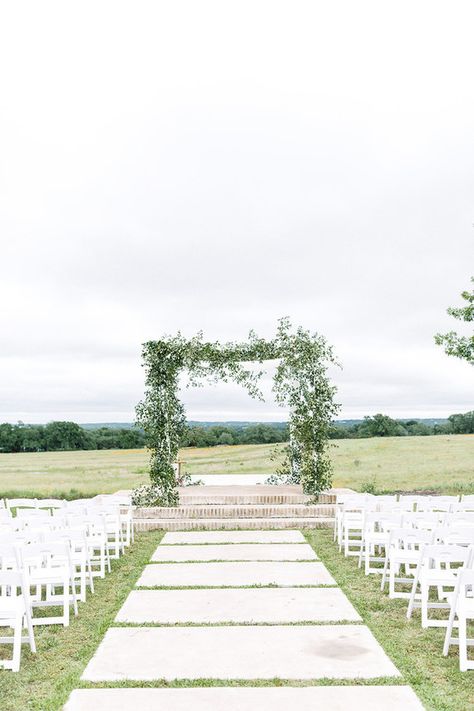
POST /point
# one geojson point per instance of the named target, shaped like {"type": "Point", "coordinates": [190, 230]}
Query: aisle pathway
{"type": "Point", "coordinates": [256, 605]}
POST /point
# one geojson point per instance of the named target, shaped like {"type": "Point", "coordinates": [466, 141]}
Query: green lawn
{"type": "Point", "coordinates": [444, 463]}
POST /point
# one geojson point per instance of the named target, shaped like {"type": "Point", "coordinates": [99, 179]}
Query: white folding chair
{"type": "Point", "coordinates": [50, 504]}
{"type": "Point", "coordinates": [97, 542]}
{"type": "Point", "coordinates": [49, 566]}
{"type": "Point", "coordinates": [402, 553]}
{"type": "Point", "coordinates": [80, 557]}
{"type": "Point", "coordinates": [409, 503]}
{"type": "Point", "coordinates": [20, 504]}
{"type": "Point", "coordinates": [462, 608]}
{"type": "Point", "coordinates": [375, 538]}
{"type": "Point", "coordinates": [438, 567]}
{"type": "Point", "coordinates": [352, 524]}
{"type": "Point", "coordinates": [15, 612]}
{"type": "Point", "coordinates": [438, 503]}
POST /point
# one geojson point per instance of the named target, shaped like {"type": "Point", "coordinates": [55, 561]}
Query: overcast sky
{"type": "Point", "coordinates": [218, 165]}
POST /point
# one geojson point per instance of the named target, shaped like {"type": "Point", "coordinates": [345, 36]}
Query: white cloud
{"type": "Point", "coordinates": [216, 166]}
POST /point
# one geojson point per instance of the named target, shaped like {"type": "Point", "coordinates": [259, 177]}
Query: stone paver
{"type": "Point", "coordinates": [237, 551]}
{"type": "Point", "coordinates": [181, 537]}
{"type": "Point", "coordinates": [235, 574]}
{"type": "Point", "coordinates": [248, 652]}
{"type": "Point", "coordinates": [316, 698]}
{"type": "Point", "coordinates": [269, 605]}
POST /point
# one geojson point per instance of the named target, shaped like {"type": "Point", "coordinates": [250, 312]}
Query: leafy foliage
{"type": "Point", "coordinates": [453, 343]}
{"type": "Point", "coordinates": [301, 383]}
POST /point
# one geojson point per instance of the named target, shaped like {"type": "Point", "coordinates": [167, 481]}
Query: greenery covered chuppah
{"type": "Point", "coordinates": [300, 383]}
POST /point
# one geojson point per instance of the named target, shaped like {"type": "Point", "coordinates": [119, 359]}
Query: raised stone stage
{"type": "Point", "coordinates": [233, 507]}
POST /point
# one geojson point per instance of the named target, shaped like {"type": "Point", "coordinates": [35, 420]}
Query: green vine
{"type": "Point", "coordinates": [301, 383]}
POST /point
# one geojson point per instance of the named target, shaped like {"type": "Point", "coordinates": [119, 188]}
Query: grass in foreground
{"type": "Point", "coordinates": [416, 652]}
{"type": "Point", "coordinates": [440, 464]}
{"type": "Point", "coordinates": [46, 678]}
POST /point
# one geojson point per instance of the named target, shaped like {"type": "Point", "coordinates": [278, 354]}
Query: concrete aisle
{"type": "Point", "coordinates": [240, 606]}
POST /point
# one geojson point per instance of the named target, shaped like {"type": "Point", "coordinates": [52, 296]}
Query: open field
{"type": "Point", "coordinates": [444, 463]}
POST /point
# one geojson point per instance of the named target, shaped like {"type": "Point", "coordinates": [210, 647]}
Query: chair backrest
{"type": "Point", "coordinates": [382, 521]}
{"type": "Point", "coordinates": [49, 553]}
{"type": "Point", "coordinates": [459, 535]}
{"type": "Point", "coordinates": [461, 518]}
{"type": "Point", "coordinates": [411, 538]}
{"type": "Point", "coordinates": [438, 503]}
{"type": "Point", "coordinates": [33, 513]}
{"type": "Point", "coordinates": [429, 520]}
{"type": "Point", "coordinates": [20, 504]}
{"type": "Point", "coordinates": [446, 554]}
{"type": "Point", "coordinates": [49, 504]}
{"type": "Point", "coordinates": [408, 502]}
{"type": "Point", "coordinates": [9, 556]}
{"type": "Point", "coordinates": [10, 582]}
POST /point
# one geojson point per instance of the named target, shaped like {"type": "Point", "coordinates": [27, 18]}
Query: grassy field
{"type": "Point", "coordinates": [400, 463]}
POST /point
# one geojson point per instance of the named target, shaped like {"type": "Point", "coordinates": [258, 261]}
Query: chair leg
{"type": "Point", "coordinates": [411, 604]}
{"type": "Point", "coordinates": [17, 644]}
{"type": "Point", "coordinates": [424, 604]}
{"type": "Point", "coordinates": [449, 630]}
{"type": "Point", "coordinates": [463, 663]}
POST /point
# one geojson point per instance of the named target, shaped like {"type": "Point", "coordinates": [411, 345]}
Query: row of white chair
{"type": "Point", "coordinates": [49, 556]}
{"type": "Point", "coordinates": [416, 550]}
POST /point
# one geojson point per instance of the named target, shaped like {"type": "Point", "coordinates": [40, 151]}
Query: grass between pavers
{"type": "Point", "coordinates": [46, 678]}
{"type": "Point", "coordinates": [298, 623]}
{"type": "Point", "coordinates": [231, 587]}
{"type": "Point", "coordinates": [415, 651]}
{"type": "Point", "coordinates": [276, 681]}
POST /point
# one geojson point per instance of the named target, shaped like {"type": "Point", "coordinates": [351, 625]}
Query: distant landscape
{"type": "Point", "coordinates": [70, 436]}
{"type": "Point", "coordinates": [443, 464]}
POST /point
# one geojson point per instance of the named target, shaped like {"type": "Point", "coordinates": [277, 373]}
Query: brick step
{"type": "Point", "coordinates": [242, 500]}
{"type": "Point", "coordinates": [236, 512]}
{"type": "Point", "coordinates": [216, 524]}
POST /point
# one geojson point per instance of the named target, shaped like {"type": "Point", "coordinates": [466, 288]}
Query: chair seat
{"type": "Point", "coordinates": [11, 606]}
{"type": "Point", "coordinates": [466, 608]}
{"type": "Point", "coordinates": [48, 575]}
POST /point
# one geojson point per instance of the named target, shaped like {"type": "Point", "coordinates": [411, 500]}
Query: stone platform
{"type": "Point", "coordinates": [259, 507]}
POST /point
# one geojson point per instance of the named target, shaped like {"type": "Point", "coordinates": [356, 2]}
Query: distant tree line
{"type": "Point", "coordinates": [57, 436]}
{"type": "Point", "coordinates": [384, 426]}
{"type": "Point", "coordinates": [62, 436]}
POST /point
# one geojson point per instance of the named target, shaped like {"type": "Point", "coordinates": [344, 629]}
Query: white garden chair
{"type": "Point", "coordinates": [455, 535]}
{"type": "Point", "coordinates": [19, 504]}
{"type": "Point", "coordinates": [402, 554]}
{"type": "Point", "coordinates": [342, 501]}
{"type": "Point", "coordinates": [80, 557]}
{"type": "Point", "coordinates": [462, 608]}
{"type": "Point", "coordinates": [409, 503]}
{"type": "Point", "coordinates": [438, 567]}
{"type": "Point", "coordinates": [352, 524]}
{"type": "Point", "coordinates": [112, 526]}
{"type": "Point", "coordinates": [375, 539]}
{"type": "Point", "coordinates": [48, 567]}
{"type": "Point", "coordinates": [438, 503]}
{"type": "Point", "coordinates": [97, 542]}
{"type": "Point", "coordinates": [15, 611]}
{"type": "Point", "coordinates": [50, 504]}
